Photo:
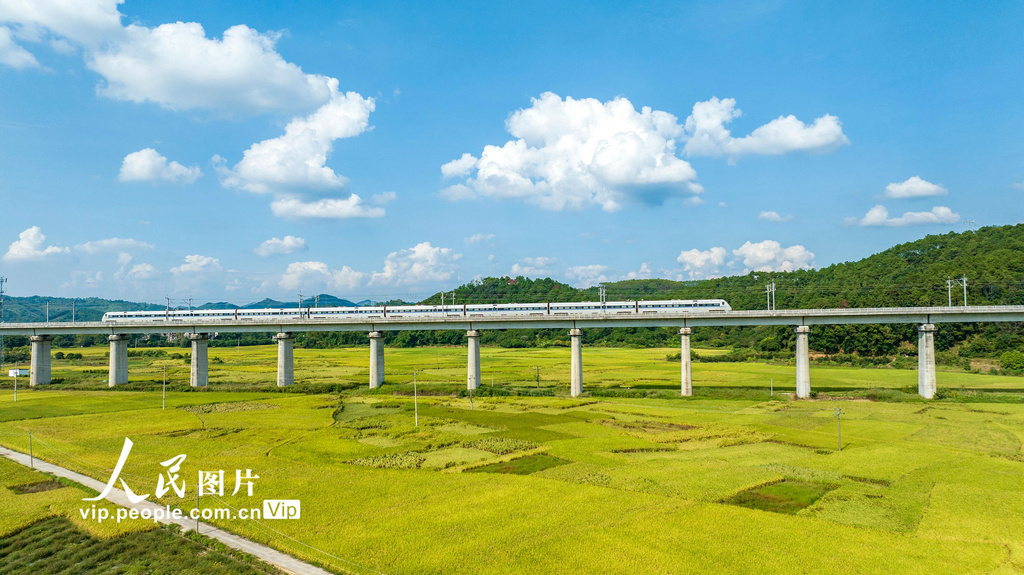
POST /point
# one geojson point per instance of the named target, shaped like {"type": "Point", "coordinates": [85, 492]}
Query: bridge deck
{"type": "Point", "coordinates": [794, 317]}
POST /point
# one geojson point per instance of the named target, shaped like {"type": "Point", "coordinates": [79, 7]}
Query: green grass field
{"type": "Point", "coordinates": [596, 484]}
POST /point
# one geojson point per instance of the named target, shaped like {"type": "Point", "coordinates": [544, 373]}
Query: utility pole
{"type": "Point", "coordinates": [949, 291]}
{"type": "Point", "coordinates": [165, 388]}
{"type": "Point", "coordinates": [47, 311]}
{"type": "Point", "coordinates": [963, 281]}
{"type": "Point", "coordinates": [538, 377]}
{"type": "Point", "coordinates": [415, 399]}
{"type": "Point", "coordinates": [72, 311]}
{"type": "Point", "coordinates": [839, 426]}
{"type": "Point", "coordinates": [602, 292]}
{"type": "Point", "coordinates": [3, 280]}
{"type": "Point", "coordinates": [769, 293]}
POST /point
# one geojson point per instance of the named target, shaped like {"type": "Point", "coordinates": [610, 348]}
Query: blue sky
{"type": "Point", "coordinates": [222, 151]}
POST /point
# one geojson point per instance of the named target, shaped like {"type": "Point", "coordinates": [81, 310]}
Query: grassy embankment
{"type": "Point", "coordinates": [615, 485]}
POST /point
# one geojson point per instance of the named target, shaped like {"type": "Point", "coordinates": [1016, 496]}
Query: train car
{"type": "Point", "coordinates": [480, 311]}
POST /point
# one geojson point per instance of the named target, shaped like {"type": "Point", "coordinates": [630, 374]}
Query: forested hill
{"type": "Point", "coordinates": [910, 274]}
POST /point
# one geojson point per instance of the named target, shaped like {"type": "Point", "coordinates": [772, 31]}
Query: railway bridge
{"type": "Point", "coordinates": [198, 330]}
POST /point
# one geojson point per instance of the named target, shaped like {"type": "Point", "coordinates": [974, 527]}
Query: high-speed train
{"type": "Point", "coordinates": [425, 311]}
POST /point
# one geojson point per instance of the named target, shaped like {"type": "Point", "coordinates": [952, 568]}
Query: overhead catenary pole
{"type": "Point", "coordinates": [949, 291]}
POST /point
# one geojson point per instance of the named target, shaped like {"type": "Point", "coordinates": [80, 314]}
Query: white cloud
{"type": "Point", "coordinates": [573, 154]}
{"type": "Point", "coordinates": [459, 167]}
{"type": "Point", "coordinates": [314, 275]}
{"type": "Point", "coordinates": [328, 208]}
{"type": "Point", "coordinates": [477, 238]}
{"type": "Point", "coordinates": [29, 246]}
{"type": "Point", "coordinates": [586, 276]}
{"type": "Point", "coordinates": [914, 187]}
{"type": "Point", "coordinates": [384, 198]}
{"type": "Point", "coordinates": [197, 264]}
{"type": "Point", "coordinates": [174, 65]}
{"type": "Point", "coordinates": [14, 55]}
{"type": "Point", "coordinates": [147, 165]}
{"type": "Point", "coordinates": [879, 216]}
{"type": "Point", "coordinates": [1017, 185]}
{"type": "Point", "coordinates": [87, 22]}
{"type": "Point", "coordinates": [83, 280]}
{"type": "Point", "coordinates": [285, 245]}
{"type": "Point", "coordinates": [296, 159]}
{"type": "Point", "coordinates": [774, 217]}
{"type": "Point", "coordinates": [113, 245]}
{"type": "Point", "coordinates": [709, 136]}
{"type": "Point", "coordinates": [702, 264]}
{"type": "Point", "coordinates": [532, 266]}
{"type": "Point", "coordinates": [142, 272]}
{"type": "Point", "coordinates": [421, 263]}
{"type": "Point", "coordinates": [769, 255]}
{"type": "Point", "coordinates": [643, 273]}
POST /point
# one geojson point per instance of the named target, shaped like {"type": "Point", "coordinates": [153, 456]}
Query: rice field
{"type": "Point", "coordinates": [662, 484]}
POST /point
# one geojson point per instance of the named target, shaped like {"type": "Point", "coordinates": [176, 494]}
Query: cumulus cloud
{"type": "Point", "coordinates": [573, 154]}
{"type": "Point", "coordinates": [314, 275]}
{"type": "Point", "coordinates": [879, 216]}
{"type": "Point", "coordinates": [774, 217]}
{"type": "Point", "coordinates": [197, 264]}
{"type": "Point", "coordinates": [708, 135]}
{"type": "Point", "coordinates": [147, 165]}
{"type": "Point", "coordinates": [113, 245]}
{"type": "Point", "coordinates": [643, 273]}
{"type": "Point", "coordinates": [174, 65]}
{"type": "Point", "coordinates": [13, 55]}
{"type": "Point", "coordinates": [702, 264]}
{"type": "Point", "coordinates": [477, 238]}
{"type": "Point", "coordinates": [420, 263]}
{"type": "Point", "coordinates": [327, 208]}
{"type": "Point", "coordinates": [769, 255]}
{"type": "Point", "coordinates": [294, 163]}
{"type": "Point", "coordinates": [85, 22]}
{"type": "Point", "coordinates": [586, 276]}
{"type": "Point", "coordinates": [459, 167]}
{"type": "Point", "coordinates": [285, 245]}
{"type": "Point", "coordinates": [296, 159]}
{"type": "Point", "coordinates": [142, 272]}
{"type": "Point", "coordinates": [914, 187]}
{"type": "Point", "coordinates": [532, 266]}
{"type": "Point", "coordinates": [177, 66]}
{"type": "Point", "coordinates": [29, 246]}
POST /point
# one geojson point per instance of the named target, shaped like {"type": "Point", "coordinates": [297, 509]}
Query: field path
{"type": "Point", "coordinates": [280, 560]}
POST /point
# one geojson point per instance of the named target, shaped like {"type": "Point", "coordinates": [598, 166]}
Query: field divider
{"type": "Point", "coordinates": [500, 459]}
{"type": "Point", "coordinates": [270, 555]}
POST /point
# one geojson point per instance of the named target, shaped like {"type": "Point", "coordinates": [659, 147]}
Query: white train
{"type": "Point", "coordinates": [453, 311]}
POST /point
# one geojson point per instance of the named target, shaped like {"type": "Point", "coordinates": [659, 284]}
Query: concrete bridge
{"type": "Point", "coordinates": [199, 330]}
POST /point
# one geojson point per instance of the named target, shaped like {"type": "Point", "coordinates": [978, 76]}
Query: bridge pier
{"type": "Point", "coordinates": [576, 365]}
{"type": "Point", "coordinates": [926, 385]}
{"type": "Point", "coordinates": [285, 358]}
{"type": "Point", "coordinates": [39, 369]}
{"type": "Point", "coordinates": [473, 363]}
{"type": "Point", "coordinates": [684, 361]}
{"type": "Point", "coordinates": [376, 359]}
{"type": "Point", "coordinates": [803, 363]}
{"type": "Point", "coordinates": [118, 359]}
{"type": "Point", "coordinates": [200, 374]}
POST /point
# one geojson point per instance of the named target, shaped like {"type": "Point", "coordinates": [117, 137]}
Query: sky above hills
{"type": "Point", "coordinates": [230, 152]}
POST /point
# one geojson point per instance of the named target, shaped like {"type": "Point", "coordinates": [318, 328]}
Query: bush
{"type": "Point", "coordinates": [58, 355]}
{"type": "Point", "coordinates": [1012, 361]}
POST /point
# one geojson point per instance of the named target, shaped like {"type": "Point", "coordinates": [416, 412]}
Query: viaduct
{"type": "Point", "coordinates": [199, 330]}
